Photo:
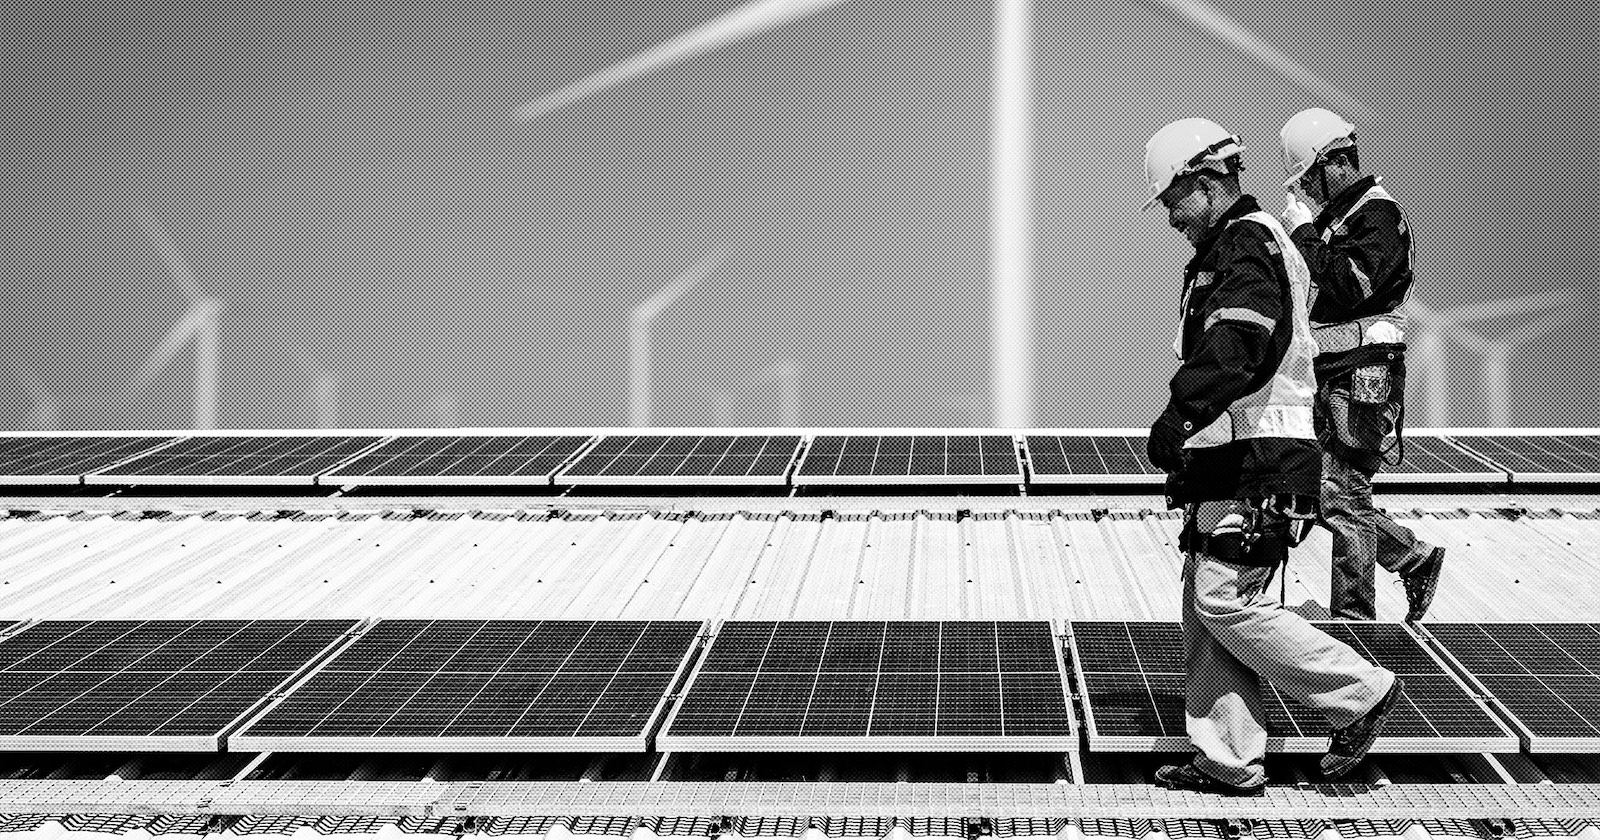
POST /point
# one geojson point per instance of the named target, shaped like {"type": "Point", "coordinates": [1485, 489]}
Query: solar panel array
{"type": "Point", "coordinates": [456, 459]}
{"type": "Point", "coordinates": [685, 459]}
{"type": "Point", "coordinates": [273, 459]}
{"type": "Point", "coordinates": [1088, 459]}
{"type": "Point", "coordinates": [170, 685]}
{"type": "Point", "coordinates": [1434, 459]}
{"type": "Point", "coordinates": [873, 685]}
{"type": "Point", "coordinates": [1132, 681]}
{"type": "Point", "coordinates": [498, 686]}
{"type": "Point", "coordinates": [1544, 677]}
{"type": "Point", "coordinates": [865, 459]}
{"type": "Point", "coordinates": [64, 460]}
{"type": "Point", "coordinates": [1540, 458]}
{"type": "Point", "coordinates": [910, 459]}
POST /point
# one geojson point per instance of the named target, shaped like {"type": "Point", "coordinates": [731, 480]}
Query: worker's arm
{"type": "Point", "coordinates": [1244, 336]}
{"type": "Point", "coordinates": [1364, 263]}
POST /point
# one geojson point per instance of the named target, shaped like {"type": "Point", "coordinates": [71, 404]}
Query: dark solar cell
{"type": "Point", "coordinates": [144, 680]}
{"type": "Point", "coordinates": [561, 680]}
{"type": "Point", "coordinates": [241, 457]}
{"type": "Point", "coordinates": [1090, 458]}
{"type": "Point", "coordinates": [1134, 689]}
{"type": "Point", "coordinates": [38, 457]}
{"type": "Point", "coordinates": [874, 680]}
{"type": "Point", "coordinates": [1544, 675]}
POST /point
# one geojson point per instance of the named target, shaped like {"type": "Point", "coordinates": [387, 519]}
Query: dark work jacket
{"type": "Point", "coordinates": [1360, 262]}
{"type": "Point", "coordinates": [1238, 330]}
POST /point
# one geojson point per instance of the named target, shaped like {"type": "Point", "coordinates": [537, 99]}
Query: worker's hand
{"type": "Point", "coordinates": [1296, 213]}
{"type": "Point", "coordinates": [1165, 446]}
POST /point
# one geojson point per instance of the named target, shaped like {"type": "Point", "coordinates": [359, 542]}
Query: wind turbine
{"type": "Point", "coordinates": [787, 374]}
{"type": "Point", "coordinates": [199, 324]}
{"type": "Point", "coordinates": [639, 322]}
{"type": "Point", "coordinates": [1497, 356]}
{"type": "Point", "coordinates": [45, 413]}
{"type": "Point", "coordinates": [324, 391]}
{"type": "Point", "coordinates": [1430, 328]}
{"type": "Point", "coordinates": [1011, 275]}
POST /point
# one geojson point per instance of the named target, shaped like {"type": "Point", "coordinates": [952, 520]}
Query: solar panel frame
{"type": "Point", "coordinates": [212, 742]}
{"type": "Point", "coordinates": [1427, 452]}
{"type": "Point", "coordinates": [268, 448]}
{"type": "Point", "coordinates": [1557, 699]}
{"type": "Point", "coordinates": [865, 468]}
{"type": "Point", "coordinates": [775, 457]}
{"type": "Point", "coordinates": [668, 742]}
{"type": "Point", "coordinates": [151, 443]}
{"type": "Point", "coordinates": [640, 742]}
{"type": "Point", "coordinates": [339, 475]}
{"type": "Point", "coordinates": [1578, 449]}
{"type": "Point", "coordinates": [1171, 680]}
{"type": "Point", "coordinates": [1043, 466]}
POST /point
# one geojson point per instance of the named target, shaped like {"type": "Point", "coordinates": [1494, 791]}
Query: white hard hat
{"type": "Point", "coordinates": [1182, 147]}
{"type": "Point", "coordinates": [1307, 136]}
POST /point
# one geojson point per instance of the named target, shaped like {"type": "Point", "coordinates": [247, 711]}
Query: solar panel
{"type": "Point", "coordinates": [1436, 460]}
{"type": "Point", "coordinates": [65, 460]}
{"type": "Point", "coordinates": [146, 685]}
{"type": "Point", "coordinates": [484, 686]}
{"type": "Point", "coordinates": [1132, 679]}
{"type": "Point", "coordinates": [1545, 678]}
{"type": "Point", "coordinates": [685, 459]}
{"type": "Point", "coordinates": [457, 459]}
{"type": "Point", "coordinates": [875, 686]}
{"type": "Point", "coordinates": [276, 459]}
{"type": "Point", "coordinates": [1090, 459]}
{"type": "Point", "coordinates": [910, 459]}
{"type": "Point", "coordinates": [1540, 458]}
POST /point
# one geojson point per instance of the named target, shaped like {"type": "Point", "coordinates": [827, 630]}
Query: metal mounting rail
{"type": "Point", "coordinates": [794, 799]}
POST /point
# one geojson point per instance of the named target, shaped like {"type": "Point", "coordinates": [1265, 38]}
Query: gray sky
{"type": "Point", "coordinates": [349, 181]}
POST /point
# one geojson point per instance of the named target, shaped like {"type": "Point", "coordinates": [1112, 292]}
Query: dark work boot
{"type": "Point", "coordinates": [1190, 777]}
{"type": "Point", "coordinates": [1350, 744]}
{"type": "Point", "coordinates": [1421, 583]}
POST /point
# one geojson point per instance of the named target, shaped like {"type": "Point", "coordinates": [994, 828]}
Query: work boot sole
{"type": "Point", "coordinates": [1335, 766]}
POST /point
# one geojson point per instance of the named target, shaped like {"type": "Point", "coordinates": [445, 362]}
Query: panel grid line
{"type": "Point", "coordinates": [423, 684]}
{"type": "Point", "coordinates": [174, 676]}
{"type": "Point", "coordinates": [499, 669]}
{"type": "Point", "coordinates": [643, 631]}
{"type": "Point", "coordinates": [816, 677]}
{"type": "Point", "coordinates": [558, 669]}
{"type": "Point", "coordinates": [1540, 678]}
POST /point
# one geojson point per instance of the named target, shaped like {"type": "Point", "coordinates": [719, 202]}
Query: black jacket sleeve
{"type": "Point", "coordinates": [1236, 351]}
{"type": "Point", "coordinates": [1366, 263]}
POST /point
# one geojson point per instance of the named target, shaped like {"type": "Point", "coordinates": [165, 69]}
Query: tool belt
{"type": "Point", "coordinates": [1361, 442]}
{"type": "Point", "coordinates": [1270, 528]}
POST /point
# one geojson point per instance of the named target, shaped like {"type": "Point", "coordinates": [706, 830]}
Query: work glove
{"type": "Point", "coordinates": [1165, 446]}
{"type": "Point", "coordinates": [1296, 213]}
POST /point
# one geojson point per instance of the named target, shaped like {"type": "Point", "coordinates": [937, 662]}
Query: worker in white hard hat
{"type": "Point", "coordinates": [1357, 245]}
{"type": "Point", "coordinates": [1238, 444]}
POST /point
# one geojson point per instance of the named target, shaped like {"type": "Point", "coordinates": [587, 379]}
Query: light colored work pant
{"type": "Point", "coordinates": [1233, 632]}
{"type": "Point", "coordinates": [1362, 534]}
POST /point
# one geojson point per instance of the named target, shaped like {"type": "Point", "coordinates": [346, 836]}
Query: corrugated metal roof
{"type": "Point", "coordinates": [1060, 557]}
{"type": "Point", "coordinates": [773, 560]}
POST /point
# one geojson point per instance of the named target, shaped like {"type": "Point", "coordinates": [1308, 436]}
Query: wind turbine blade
{"type": "Point", "coordinates": [645, 314]}
{"type": "Point", "coordinates": [747, 20]}
{"type": "Point", "coordinates": [176, 265]}
{"type": "Point", "coordinates": [1212, 20]}
{"type": "Point", "coordinates": [1506, 307]}
{"type": "Point", "coordinates": [188, 326]}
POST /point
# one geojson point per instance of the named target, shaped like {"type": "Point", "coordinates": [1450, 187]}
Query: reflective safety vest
{"type": "Point", "coordinates": [1348, 335]}
{"type": "Point", "coordinates": [1282, 407]}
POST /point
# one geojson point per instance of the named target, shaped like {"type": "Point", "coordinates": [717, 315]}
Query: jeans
{"type": "Point", "coordinates": [1362, 534]}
